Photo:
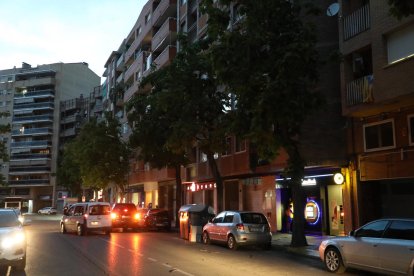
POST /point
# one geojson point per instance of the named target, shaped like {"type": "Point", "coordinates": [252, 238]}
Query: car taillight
{"type": "Point", "coordinates": [85, 216]}
{"type": "Point", "coordinates": [137, 216]}
{"type": "Point", "coordinates": [113, 215]}
{"type": "Point", "coordinates": [240, 226]}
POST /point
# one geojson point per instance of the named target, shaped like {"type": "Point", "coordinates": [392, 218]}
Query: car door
{"type": "Point", "coordinates": [214, 232]}
{"type": "Point", "coordinates": [396, 249]}
{"type": "Point", "coordinates": [77, 216]}
{"type": "Point", "coordinates": [361, 250]}
{"type": "Point", "coordinates": [67, 219]}
{"type": "Point", "coordinates": [226, 226]}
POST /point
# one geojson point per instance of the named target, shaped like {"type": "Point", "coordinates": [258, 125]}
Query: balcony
{"type": "Point", "coordinates": [29, 170]}
{"type": "Point", "coordinates": [167, 30]}
{"type": "Point", "coordinates": [31, 144]}
{"type": "Point", "coordinates": [165, 9]}
{"type": "Point", "coordinates": [36, 82]}
{"type": "Point", "coordinates": [357, 22]}
{"type": "Point", "coordinates": [165, 57]}
{"type": "Point", "coordinates": [36, 94]}
{"type": "Point", "coordinates": [120, 63]}
{"type": "Point", "coordinates": [35, 106]}
{"type": "Point", "coordinates": [360, 91]}
{"type": "Point", "coordinates": [135, 67]}
{"type": "Point", "coordinates": [120, 78]}
{"type": "Point", "coordinates": [29, 182]}
{"type": "Point", "coordinates": [33, 119]}
{"type": "Point", "coordinates": [68, 132]}
{"type": "Point", "coordinates": [131, 50]}
{"type": "Point", "coordinates": [131, 91]}
{"type": "Point", "coordinates": [32, 131]}
{"type": "Point", "coordinates": [33, 156]}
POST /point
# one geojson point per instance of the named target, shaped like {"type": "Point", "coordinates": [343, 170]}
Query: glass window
{"type": "Point", "coordinates": [78, 211]}
{"type": "Point", "coordinates": [228, 218]}
{"type": "Point", "coordinates": [253, 218]}
{"type": "Point", "coordinates": [8, 218]}
{"type": "Point", "coordinates": [400, 44]}
{"type": "Point", "coordinates": [98, 210]}
{"type": "Point", "coordinates": [379, 135]}
{"type": "Point", "coordinates": [219, 218]}
{"type": "Point", "coordinates": [372, 230]}
{"type": "Point", "coordinates": [401, 230]}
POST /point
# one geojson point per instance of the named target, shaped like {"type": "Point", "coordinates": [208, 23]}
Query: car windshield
{"type": "Point", "coordinates": [253, 218]}
{"type": "Point", "coordinates": [8, 219]}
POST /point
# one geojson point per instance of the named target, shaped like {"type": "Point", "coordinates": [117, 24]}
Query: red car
{"type": "Point", "coordinates": [125, 216]}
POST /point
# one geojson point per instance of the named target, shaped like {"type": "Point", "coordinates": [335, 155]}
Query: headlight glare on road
{"type": "Point", "coordinates": [12, 240]}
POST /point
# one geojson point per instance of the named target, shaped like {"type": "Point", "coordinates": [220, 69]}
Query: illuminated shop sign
{"type": "Point", "coordinates": [195, 187]}
{"type": "Point", "coordinates": [312, 212]}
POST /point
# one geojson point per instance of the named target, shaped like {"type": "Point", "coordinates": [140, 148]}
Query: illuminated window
{"type": "Point", "coordinates": [379, 135]}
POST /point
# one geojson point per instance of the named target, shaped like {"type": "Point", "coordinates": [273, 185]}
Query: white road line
{"type": "Point", "coordinates": [167, 265]}
{"type": "Point", "coordinates": [183, 272]}
{"type": "Point", "coordinates": [152, 259]}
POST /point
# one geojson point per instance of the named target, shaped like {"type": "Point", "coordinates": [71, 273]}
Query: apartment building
{"type": "Point", "coordinates": [32, 95]}
{"type": "Point", "coordinates": [149, 45]}
{"type": "Point", "coordinates": [377, 89]}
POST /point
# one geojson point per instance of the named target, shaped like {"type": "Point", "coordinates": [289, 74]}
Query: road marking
{"type": "Point", "coordinates": [167, 265]}
{"type": "Point", "coordinates": [152, 259]}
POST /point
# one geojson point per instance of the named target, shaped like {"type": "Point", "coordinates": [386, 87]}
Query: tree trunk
{"type": "Point", "coordinates": [178, 194]}
{"type": "Point", "coordinates": [219, 182]}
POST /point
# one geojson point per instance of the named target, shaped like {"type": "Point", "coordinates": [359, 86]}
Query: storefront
{"type": "Point", "coordinates": [324, 204]}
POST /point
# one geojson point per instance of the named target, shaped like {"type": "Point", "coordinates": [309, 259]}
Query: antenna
{"type": "Point", "coordinates": [333, 9]}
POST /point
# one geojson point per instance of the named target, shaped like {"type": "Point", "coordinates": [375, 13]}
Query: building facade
{"type": "Point", "coordinates": [32, 95]}
{"type": "Point", "coordinates": [378, 100]}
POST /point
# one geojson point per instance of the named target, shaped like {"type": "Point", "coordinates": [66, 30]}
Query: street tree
{"type": "Point", "coordinates": [68, 171]}
{"type": "Point", "coordinates": [401, 8]}
{"type": "Point", "coordinates": [185, 103]}
{"type": "Point", "coordinates": [265, 55]}
{"type": "Point", "coordinates": [100, 155]}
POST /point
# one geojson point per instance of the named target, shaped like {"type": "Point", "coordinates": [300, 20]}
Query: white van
{"type": "Point", "coordinates": [83, 218]}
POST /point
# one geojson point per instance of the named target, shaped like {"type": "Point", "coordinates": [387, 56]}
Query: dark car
{"type": "Point", "coordinates": [125, 216]}
{"type": "Point", "coordinates": [154, 219]}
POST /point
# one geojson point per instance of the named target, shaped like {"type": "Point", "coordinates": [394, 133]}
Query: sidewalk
{"type": "Point", "coordinates": [282, 240]}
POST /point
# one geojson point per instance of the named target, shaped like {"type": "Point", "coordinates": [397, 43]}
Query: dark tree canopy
{"type": "Point", "coordinates": [401, 8]}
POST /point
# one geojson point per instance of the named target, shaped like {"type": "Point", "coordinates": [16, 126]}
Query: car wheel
{"type": "Point", "coordinates": [81, 230]}
{"type": "Point", "coordinates": [231, 242]}
{"type": "Point", "coordinates": [333, 261]}
{"type": "Point", "coordinates": [21, 265]}
{"type": "Point", "coordinates": [62, 228]}
{"type": "Point", "coordinates": [206, 238]}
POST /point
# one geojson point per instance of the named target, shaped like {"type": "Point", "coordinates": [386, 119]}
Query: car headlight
{"type": "Point", "coordinates": [12, 240]}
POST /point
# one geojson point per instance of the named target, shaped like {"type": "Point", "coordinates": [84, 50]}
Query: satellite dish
{"type": "Point", "coordinates": [333, 9]}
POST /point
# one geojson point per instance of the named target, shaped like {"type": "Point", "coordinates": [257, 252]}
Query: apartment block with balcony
{"type": "Point", "coordinates": [35, 120]}
{"type": "Point", "coordinates": [377, 90]}
{"type": "Point", "coordinates": [149, 45]}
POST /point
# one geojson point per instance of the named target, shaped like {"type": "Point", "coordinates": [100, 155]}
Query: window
{"type": "Point", "coordinates": [203, 157]}
{"type": "Point", "coordinates": [78, 211]}
{"type": "Point", "coordinates": [219, 218]}
{"type": "Point", "coordinates": [147, 18]}
{"type": "Point", "coordinates": [228, 218]}
{"type": "Point", "coordinates": [139, 30]}
{"type": "Point", "coordinates": [372, 230]}
{"type": "Point", "coordinates": [379, 136]}
{"type": "Point", "coordinates": [411, 129]}
{"type": "Point", "coordinates": [227, 149]}
{"type": "Point", "coordinates": [240, 144]}
{"type": "Point", "coordinates": [183, 2]}
{"type": "Point", "coordinates": [400, 44]}
{"type": "Point", "coordinates": [401, 230]}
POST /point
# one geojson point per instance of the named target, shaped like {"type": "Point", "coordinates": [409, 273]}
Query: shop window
{"type": "Point", "coordinates": [411, 129]}
{"type": "Point", "coordinates": [379, 135]}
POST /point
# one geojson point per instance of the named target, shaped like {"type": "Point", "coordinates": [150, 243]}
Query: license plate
{"type": "Point", "coordinates": [254, 229]}
{"type": "Point", "coordinates": [95, 223]}
{"type": "Point", "coordinates": [159, 224]}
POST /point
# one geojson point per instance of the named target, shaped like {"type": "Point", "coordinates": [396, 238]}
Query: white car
{"type": "Point", "coordinates": [383, 246]}
{"type": "Point", "coordinates": [12, 240]}
{"type": "Point", "coordinates": [47, 211]}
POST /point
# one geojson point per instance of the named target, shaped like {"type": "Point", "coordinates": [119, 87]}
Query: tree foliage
{"type": "Point", "coordinates": [96, 157]}
{"type": "Point", "coordinates": [267, 58]}
{"type": "Point", "coordinates": [401, 8]}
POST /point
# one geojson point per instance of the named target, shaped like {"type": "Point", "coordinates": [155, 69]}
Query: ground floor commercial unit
{"type": "Point", "coordinates": [27, 199]}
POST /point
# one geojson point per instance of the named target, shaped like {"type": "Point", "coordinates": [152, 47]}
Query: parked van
{"type": "Point", "coordinates": [85, 217]}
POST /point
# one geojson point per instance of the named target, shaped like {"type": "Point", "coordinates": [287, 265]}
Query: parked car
{"type": "Point", "coordinates": [124, 215]}
{"type": "Point", "coordinates": [236, 228]}
{"type": "Point", "coordinates": [157, 219]}
{"type": "Point", "coordinates": [12, 240]}
{"type": "Point", "coordinates": [83, 218]}
{"type": "Point", "coordinates": [382, 246]}
{"type": "Point", "coordinates": [47, 211]}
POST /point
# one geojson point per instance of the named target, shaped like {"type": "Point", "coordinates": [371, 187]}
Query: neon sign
{"type": "Point", "coordinates": [312, 212]}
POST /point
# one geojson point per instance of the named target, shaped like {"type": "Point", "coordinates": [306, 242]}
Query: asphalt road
{"type": "Point", "coordinates": [148, 253]}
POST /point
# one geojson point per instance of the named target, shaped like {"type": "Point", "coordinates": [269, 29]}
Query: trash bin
{"type": "Point", "coordinates": [192, 219]}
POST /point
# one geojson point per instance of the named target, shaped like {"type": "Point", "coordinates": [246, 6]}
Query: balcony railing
{"type": "Point", "coordinates": [36, 94]}
{"type": "Point", "coordinates": [169, 26]}
{"type": "Point", "coordinates": [135, 66]}
{"type": "Point", "coordinates": [356, 22]}
{"type": "Point", "coordinates": [165, 9]}
{"type": "Point", "coordinates": [31, 131]}
{"type": "Point", "coordinates": [34, 106]}
{"type": "Point", "coordinates": [120, 63]}
{"type": "Point", "coordinates": [166, 56]}
{"type": "Point", "coordinates": [29, 182]}
{"type": "Point", "coordinates": [32, 119]}
{"type": "Point", "coordinates": [30, 169]}
{"type": "Point", "coordinates": [131, 91]}
{"type": "Point", "coordinates": [19, 156]}
{"type": "Point", "coordinates": [360, 91]}
{"type": "Point", "coordinates": [31, 144]}
{"type": "Point", "coordinates": [131, 50]}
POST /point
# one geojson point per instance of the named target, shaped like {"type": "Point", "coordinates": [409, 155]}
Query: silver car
{"type": "Point", "coordinates": [381, 246]}
{"type": "Point", "coordinates": [236, 228]}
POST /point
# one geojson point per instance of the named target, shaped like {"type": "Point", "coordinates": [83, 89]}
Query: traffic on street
{"type": "Point", "coordinates": [49, 252]}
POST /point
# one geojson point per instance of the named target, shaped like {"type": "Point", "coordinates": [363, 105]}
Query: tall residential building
{"type": "Point", "coordinates": [377, 88]}
{"type": "Point", "coordinates": [32, 95]}
{"type": "Point", "coordinates": [151, 43]}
